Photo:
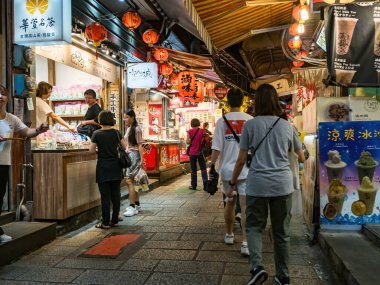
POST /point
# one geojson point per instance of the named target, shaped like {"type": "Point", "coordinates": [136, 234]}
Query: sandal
{"type": "Point", "coordinates": [101, 226]}
{"type": "Point", "coordinates": [112, 225]}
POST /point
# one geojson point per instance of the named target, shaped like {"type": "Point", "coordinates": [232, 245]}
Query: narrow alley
{"type": "Point", "coordinates": [177, 238]}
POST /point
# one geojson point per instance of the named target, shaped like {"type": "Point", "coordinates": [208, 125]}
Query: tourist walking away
{"type": "Point", "coordinates": [133, 140]}
{"type": "Point", "coordinates": [108, 170]}
{"type": "Point", "coordinates": [205, 128]}
{"type": "Point", "coordinates": [194, 140]}
{"type": "Point", "coordinates": [269, 182]}
{"type": "Point", "coordinates": [90, 122]}
{"type": "Point", "coordinates": [9, 124]}
{"type": "Point", "coordinates": [43, 110]}
{"type": "Point", "coordinates": [225, 146]}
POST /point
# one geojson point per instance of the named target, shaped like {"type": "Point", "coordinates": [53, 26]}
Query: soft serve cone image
{"type": "Point", "coordinates": [336, 193]}
{"type": "Point", "coordinates": [367, 193]}
{"type": "Point", "coordinates": [366, 166]}
{"type": "Point", "coordinates": [335, 166]}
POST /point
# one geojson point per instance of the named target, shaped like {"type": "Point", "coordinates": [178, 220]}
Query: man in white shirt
{"type": "Point", "coordinates": [8, 125]}
{"type": "Point", "coordinates": [226, 148]}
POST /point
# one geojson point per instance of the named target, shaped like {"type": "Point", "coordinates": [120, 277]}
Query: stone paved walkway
{"type": "Point", "coordinates": [181, 243]}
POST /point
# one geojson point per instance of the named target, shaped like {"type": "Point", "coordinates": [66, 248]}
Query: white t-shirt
{"type": "Point", "coordinates": [8, 126]}
{"type": "Point", "coordinates": [224, 141]}
{"type": "Point", "coordinates": [42, 110]}
{"type": "Point", "coordinates": [138, 136]}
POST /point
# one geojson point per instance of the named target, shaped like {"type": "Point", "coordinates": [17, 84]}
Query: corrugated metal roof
{"type": "Point", "coordinates": [229, 21]}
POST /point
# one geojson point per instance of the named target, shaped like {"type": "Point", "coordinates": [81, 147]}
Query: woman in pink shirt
{"type": "Point", "coordinates": [194, 138]}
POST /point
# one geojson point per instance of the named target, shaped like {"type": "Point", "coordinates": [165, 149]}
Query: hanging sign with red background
{"type": "Point", "coordinates": [169, 155]}
{"type": "Point", "coordinates": [150, 153]}
{"type": "Point", "coordinates": [220, 92]}
{"type": "Point", "coordinates": [155, 119]}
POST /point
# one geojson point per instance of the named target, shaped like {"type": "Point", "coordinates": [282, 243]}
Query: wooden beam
{"type": "Point", "coordinates": [266, 2]}
{"type": "Point", "coordinates": [247, 63]}
{"type": "Point", "coordinates": [252, 33]}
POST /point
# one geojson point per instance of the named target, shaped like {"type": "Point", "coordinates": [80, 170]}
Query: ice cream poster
{"type": "Point", "coordinates": [349, 172]}
{"type": "Point", "coordinates": [353, 44]}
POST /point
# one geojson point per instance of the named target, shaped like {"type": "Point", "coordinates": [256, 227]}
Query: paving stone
{"type": "Point", "coordinates": [206, 230]}
{"type": "Point", "coordinates": [153, 229]}
{"type": "Point", "coordinates": [202, 237]}
{"type": "Point", "coordinates": [183, 279]}
{"type": "Point", "coordinates": [166, 236]}
{"type": "Point", "coordinates": [197, 267]}
{"type": "Point", "coordinates": [112, 277]}
{"type": "Point", "coordinates": [89, 263]}
{"type": "Point", "coordinates": [140, 264]}
{"type": "Point", "coordinates": [165, 254]}
{"type": "Point", "coordinates": [221, 256]}
{"type": "Point", "coordinates": [50, 275]}
{"type": "Point", "coordinates": [220, 246]}
{"type": "Point", "coordinates": [235, 280]}
{"type": "Point", "coordinates": [57, 250]}
{"type": "Point", "coordinates": [18, 282]}
{"type": "Point", "coordinates": [173, 244]}
{"type": "Point", "coordinates": [38, 261]}
{"type": "Point", "coordinates": [155, 218]}
{"type": "Point", "coordinates": [238, 269]}
{"type": "Point", "coordinates": [152, 223]}
{"type": "Point", "coordinates": [12, 272]}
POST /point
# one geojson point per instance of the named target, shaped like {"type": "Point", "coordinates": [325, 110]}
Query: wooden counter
{"type": "Point", "coordinates": [63, 183]}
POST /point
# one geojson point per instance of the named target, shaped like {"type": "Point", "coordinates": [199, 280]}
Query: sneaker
{"type": "Point", "coordinates": [259, 276]}
{"type": "Point", "coordinates": [282, 280]}
{"type": "Point", "coordinates": [229, 239]}
{"type": "Point", "coordinates": [238, 218]}
{"type": "Point", "coordinates": [5, 238]}
{"type": "Point", "coordinates": [244, 248]}
{"type": "Point", "coordinates": [130, 212]}
{"type": "Point", "coordinates": [192, 188]}
{"type": "Point", "coordinates": [138, 208]}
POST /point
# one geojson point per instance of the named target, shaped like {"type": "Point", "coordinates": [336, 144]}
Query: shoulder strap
{"type": "Point", "coordinates": [191, 139]}
{"type": "Point", "coordinates": [255, 149]}
{"type": "Point", "coordinates": [231, 129]}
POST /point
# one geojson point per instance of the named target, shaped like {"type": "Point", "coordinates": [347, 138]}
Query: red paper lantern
{"type": "Point", "coordinates": [174, 79]}
{"type": "Point", "coordinates": [166, 69]}
{"type": "Point", "coordinates": [150, 37]}
{"type": "Point", "coordinates": [210, 85]}
{"type": "Point", "coordinates": [161, 55]}
{"type": "Point", "coordinates": [131, 20]}
{"type": "Point", "coordinates": [296, 29]}
{"type": "Point", "coordinates": [295, 43]}
{"type": "Point", "coordinates": [199, 93]}
{"type": "Point", "coordinates": [302, 54]}
{"type": "Point", "coordinates": [301, 13]}
{"type": "Point", "coordinates": [186, 83]}
{"type": "Point", "coordinates": [96, 33]}
{"type": "Point", "coordinates": [298, 63]}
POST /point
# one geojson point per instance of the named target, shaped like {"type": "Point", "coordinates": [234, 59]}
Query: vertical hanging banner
{"type": "Point", "coordinates": [41, 22]}
{"type": "Point", "coordinates": [353, 44]}
{"type": "Point", "coordinates": [349, 179]}
{"type": "Point", "coordinates": [155, 119]}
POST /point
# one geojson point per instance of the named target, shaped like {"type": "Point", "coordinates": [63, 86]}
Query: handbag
{"type": "Point", "coordinates": [124, 159]}
{"type": "Point", "coordinates": [249, 156]}
{"type": "Point", "coordinates": [191, 140]}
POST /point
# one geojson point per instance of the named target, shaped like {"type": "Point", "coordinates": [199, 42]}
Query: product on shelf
{"type": "Point", "coordinates": [56, 139]}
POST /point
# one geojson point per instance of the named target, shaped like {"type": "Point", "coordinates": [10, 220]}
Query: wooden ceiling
{"type": "Point", "coordinates": [231, 21]}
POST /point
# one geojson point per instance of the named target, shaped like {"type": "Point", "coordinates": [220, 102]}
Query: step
{"type": "Point", "coordinates": [7, 217]}
{"type": "Point", "coordinates": [372, 232]}
{"type": "Point", "coordinates": [26, 236]}
{"type": "Point", "coordinates": [354, 258]}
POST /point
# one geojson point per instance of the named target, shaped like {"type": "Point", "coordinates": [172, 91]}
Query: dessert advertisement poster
{"type": "Point", "coordinates": [349, 172]}
{"type": "Point", "coordinates": [353, 44]}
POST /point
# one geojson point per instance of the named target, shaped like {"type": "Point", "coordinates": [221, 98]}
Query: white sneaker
{"type": "Point", "coordinates": [5, 238]}
{"type": "Point", "coordinates": [229, 239]}
{"type": "Point", "coordinates": [130, 212]}
{"type": "Point", "coordinates": [138, 208]}
{"type": "Point", "coordinates": [244, 248]}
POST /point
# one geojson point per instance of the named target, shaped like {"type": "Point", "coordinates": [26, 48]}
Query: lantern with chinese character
{"type": "Point", "coordinates": [166, 69]}
{"type": "Point", "coordinates": [161, 55]}
{"type": "Point", "coordinates": [174, 79]}
{"type": "Point", "coordinates": [96, 33]}
{"type": "Point", "coordinates": [199, 93]}
{"type": "Point", "coordinates": [131, 20]}
{"type": "Point", "coordinates": [296, 29]}
{"type": "Point", "coordinates": [186, 83]}
{"type": "Point", "coordinates": [150, 37]}
{"type": "Point", "coordinates": [295, 43]}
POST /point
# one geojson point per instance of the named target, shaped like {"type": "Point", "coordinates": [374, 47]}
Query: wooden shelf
{"type": "Point", "coordinates": [71, 116]}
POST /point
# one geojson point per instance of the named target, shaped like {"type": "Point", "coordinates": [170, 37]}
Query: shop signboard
{"type": "Point", "coordinates": [353, 43]}
{"type": "Point", "coordinates": [150, 152]}
{"type": "Point", "coordinates": [349, 173]}
{"type": "Point", "coordinates": [220, 92]}
{"type": "Point", "coordinates": [364, 109]}
{"type": "Point", "coordinates": [79, 59]}
{"type": "Point", "coordinates": [142, 75]}
{"type": "Point", "coordinates": [169, 155]}
{"type": "Point", "coordinates": [155, 119]}
{"type": "Point", "coordinates": [41, 22]}
{"type": "Point", "coordinates": [183, 157]}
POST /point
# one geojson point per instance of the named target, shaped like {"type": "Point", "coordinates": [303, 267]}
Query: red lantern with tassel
{"type": "Point", "coordinates": [301, 13]}
{"type": "Point", "coordinates": [166, 69]}
{"type": "Point", "coordinates": [199, 93]}
{"type": "Point", "coordinates": [161, 55]}
{"type": "Point", "coordinates": [296, 29]}
{"type": "Point", "coordinates": [302, 54]}
{"type": "Point", "coordinates": [96, 33]}
{"type": "Point", "coordinates": [174, 79]}
{"type": "Point", "coordinates": [298, 63]}
{"type": "Point", "coordinates": [150, 37]}
{"type": "Point", "coordinates": [131, 20]}
{"type": "Point", "coordinates": [295, 43]}
{"type": "Point", "coordinates": [186, 83]}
